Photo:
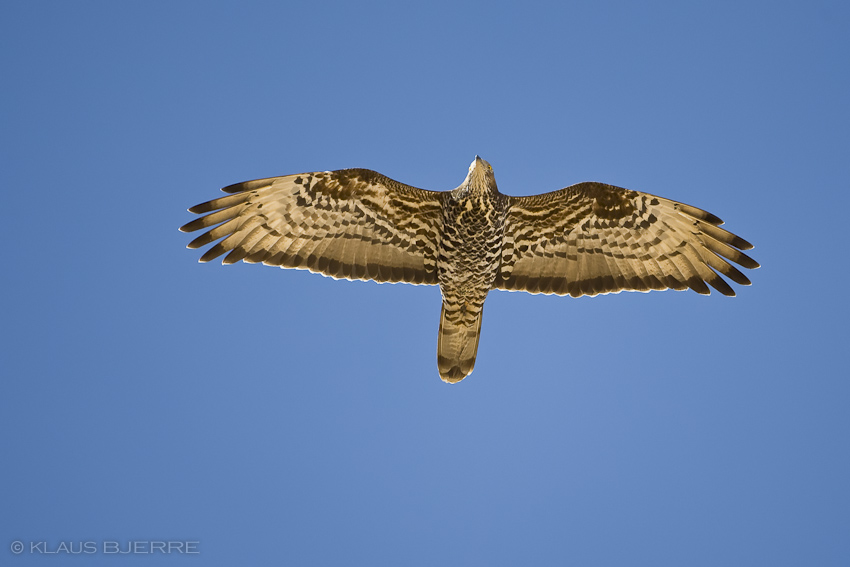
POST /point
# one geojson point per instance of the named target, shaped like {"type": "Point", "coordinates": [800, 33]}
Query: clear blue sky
{"type": "Point", "coordinates": [279, 417]}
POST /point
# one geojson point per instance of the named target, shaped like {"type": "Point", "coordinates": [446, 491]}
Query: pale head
{"type": "Point", "coordinates": [480, 177]}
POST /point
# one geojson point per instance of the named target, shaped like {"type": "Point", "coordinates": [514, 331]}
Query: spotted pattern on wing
{"type": "Point", "coordinates": [353, 224]}
{"type": "Point", "coordinates": [594, 238]}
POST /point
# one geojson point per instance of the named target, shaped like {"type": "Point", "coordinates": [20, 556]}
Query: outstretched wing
{"type": "Point", "coordinates": [351, 223]}
{"type": "Point", "coordinates": [594, 238]}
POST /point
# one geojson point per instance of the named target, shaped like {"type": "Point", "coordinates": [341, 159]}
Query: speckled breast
{"type": "Point", "coordinates": [471, 244]}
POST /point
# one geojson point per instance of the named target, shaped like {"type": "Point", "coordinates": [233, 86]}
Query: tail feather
{"type": "Point", "coordinates": [457, 345]}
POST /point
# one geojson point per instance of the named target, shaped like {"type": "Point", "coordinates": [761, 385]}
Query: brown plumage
{"type": "Point", "coordinates": [586, 239]}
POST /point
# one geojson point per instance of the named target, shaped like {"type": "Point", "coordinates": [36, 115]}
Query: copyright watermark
{"type": "Point", "coordinates": [106, 547]}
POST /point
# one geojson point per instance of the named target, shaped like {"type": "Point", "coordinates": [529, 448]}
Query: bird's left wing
{"type": "Point", "coordinates": [351, 223]}
{"type": "Point", "coordinates": [593, 238]}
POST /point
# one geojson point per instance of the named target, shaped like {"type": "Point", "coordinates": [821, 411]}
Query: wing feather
{"type": "Point", "coordinates": [594, 238]}
{"type": "Point", "coordinates": [351, 223]}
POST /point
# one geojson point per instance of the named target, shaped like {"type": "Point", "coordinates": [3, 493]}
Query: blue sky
{"type": "Point", "coordinates": [279, 417]}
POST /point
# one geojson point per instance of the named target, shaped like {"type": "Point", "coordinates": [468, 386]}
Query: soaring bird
{"type": "Point", "coordinates": [586, 239]}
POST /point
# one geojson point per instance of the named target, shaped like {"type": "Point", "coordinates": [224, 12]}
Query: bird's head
{"type": "Point", "coordinates": [480, 177]}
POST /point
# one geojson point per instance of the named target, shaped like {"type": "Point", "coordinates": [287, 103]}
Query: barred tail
{"type": "Point", "coordinates": [457, 344]}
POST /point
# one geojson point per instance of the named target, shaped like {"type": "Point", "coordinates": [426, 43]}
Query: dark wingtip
{"type": "Point", "coordinates": [697, 284]}
{"type": "Point", "coordinates": [194, 225]}
{"type": "Point", "coordinates": [213, 252]}
{"type": "Point", "coordinates": [698, 213]}
{"type": "Point", "coordinates": [713, 219]}
{"type": "Point", "coordinates": [235, 188]}
{"type": "Point", "coordinates": [742, 244]}
{"type": "Point", "coordinates": [200, 208]}
{"type": "Point", "coordinates": [202, 240]}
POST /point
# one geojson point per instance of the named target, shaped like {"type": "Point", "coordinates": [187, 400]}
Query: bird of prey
{"type": "Point", "coordinates": [586, 239]}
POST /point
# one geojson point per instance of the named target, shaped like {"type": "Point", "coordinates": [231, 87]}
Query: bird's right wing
{"type": "Point", "coordinates": [350, 223]}
{"type": "Point", "coordinates": [594, 238]}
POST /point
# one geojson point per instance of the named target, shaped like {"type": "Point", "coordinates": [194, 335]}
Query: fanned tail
{"type": "Point", "coordinates": [457, 345]}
